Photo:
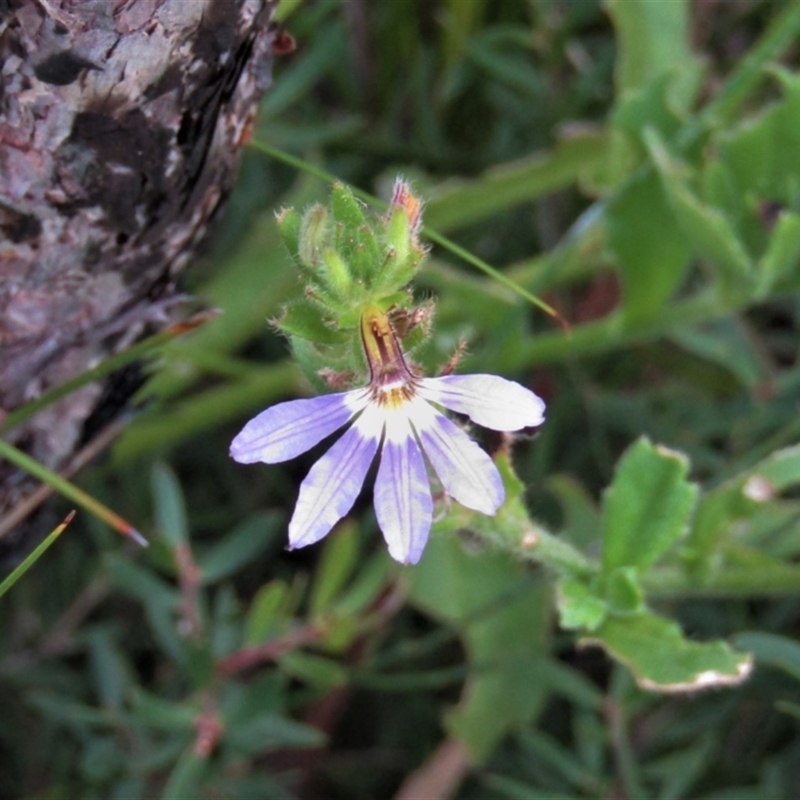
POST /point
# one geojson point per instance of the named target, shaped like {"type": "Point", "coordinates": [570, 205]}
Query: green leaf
{"type": "Point", "coordinates": [653, 40]}
{"type": "Point", "coordinates": [706, 227]}
{"type": "Point", "coordinates": [465, 202]}
{"type": "Point", "coordinates": [184, 780]}
{"type": "Point", "coordinates": [622, 591]}
{"type": "Point", "coordinates": [156, 712]}
{"type": "Point", "coordinates": [770, 648]}
{"type": "Point", "coordinates": [503, 618]}
{"type": "Point", "coordinates": [170, 508]}
{"type": "Point", "coordinates": [663, 660]}
{"type": "Point", "coordinates": [763, 153]}
{"type": "Point", "coordinates": [270, 731]}
{"type": "Point", "coordinates": [782, 255]}
{"type": "Point", "coordinates": [318, 671]}
{"type": "Point", "coordinates": [578, 606]}
{"type": "Point", "coordinates": [647, 507]}
{"type": "Point", "coordinates": [335, 568]}
{"type": "Point", "coordinates": [264, 616]}
{"type": "Point", "coordinates": [240, 547]}
{"type": "Point", "coordinates": [650, 248]}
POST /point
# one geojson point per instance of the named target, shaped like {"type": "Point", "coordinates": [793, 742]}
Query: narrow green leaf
{"type": "Point", "coordinates": [335, 568]}
{"type": "Point", "coordinates": [240, 547]}
{"type": "Point", "coordinates": [770, 648]}
{"type": "Point", "coordinates": [270, 731]}
{"type": "Point", "coordinates": [647, 507]}
{"type": "Point", "coordinates": [184, 780]}
{"type": "Point", "coordinates": [264, 617]}
{"type": "Point", "coordinates": [33, 557]}
{"type": "Point", "coordinates": [663, 660]}
{"type": "Point", "coordinates": [156, 712]}
{"type": "Point", "coordinates": [170, 508]}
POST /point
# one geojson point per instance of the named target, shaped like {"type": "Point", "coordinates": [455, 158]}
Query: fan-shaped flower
{"type": "Point", "coordinates": [395, 413]}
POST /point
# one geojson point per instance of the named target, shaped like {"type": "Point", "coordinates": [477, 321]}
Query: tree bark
{"type": "Point", "coordinates": [121, 124]}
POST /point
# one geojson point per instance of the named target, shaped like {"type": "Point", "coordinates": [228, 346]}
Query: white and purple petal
{"type": "Point", "coordinates": [334, 482]}
{"type": "Point", "coordinates": [466, 472]}
{"type": "Point", "coordinates": [487, 400]}
{"type": "Point", "coordinates": [402, 497]}
{"type": "Point", "coordinates": [289, 429]}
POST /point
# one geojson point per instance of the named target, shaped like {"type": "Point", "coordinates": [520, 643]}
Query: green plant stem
{"type": "Point", "coordinates": [69, 490]}
{"type": "Point", "coordinates": [668, 582]}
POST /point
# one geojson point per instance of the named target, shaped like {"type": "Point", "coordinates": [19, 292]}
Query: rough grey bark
{"type": "Point", "coordinates": [121, 123]}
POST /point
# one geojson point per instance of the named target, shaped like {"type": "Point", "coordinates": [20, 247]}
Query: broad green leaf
{"type": "Point", "coordinates": [662, 660]}
{"type": "Point", "coordinates": [651, 250]}
{"type": "Point", "coordinates": [503, 618]}
{"type": "Point", "coordinates": [647, 507]}
{"type": "Point", "coordinates": [710, 232]}
{"type": "Point", "coordinates": [622, 591]}
{"type": "Point", "coordinates": [763, 153]}
{"type": "Point", "coordinates": [170, 509]}
{"type": "Point", "coordinates": [653, 40]}
{"type": "Point", "coordinates": [579, 607]}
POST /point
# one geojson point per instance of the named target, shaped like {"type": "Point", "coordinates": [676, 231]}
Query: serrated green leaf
{"type": "Point", "coordinates": [662, 660]}
{"type": "Point", "coordinates": [578, 606]}
{"type": "Point", "coordinates": [647, 507]}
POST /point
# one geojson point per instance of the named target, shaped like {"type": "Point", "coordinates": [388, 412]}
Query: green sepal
{"type": "Point", "coordinates": [337, 274]}
{"type": "Point", "coordinates": [313, 235]}
{"type": "Point", "coordinates": [304, 318]}
{"type": "Point", "coordinates": [289, 223]}
{"type": "Point", "coordinates": [367, 258]}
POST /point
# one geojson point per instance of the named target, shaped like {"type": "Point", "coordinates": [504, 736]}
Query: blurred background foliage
{"type": "Point", "coordinates": [636, 163]}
